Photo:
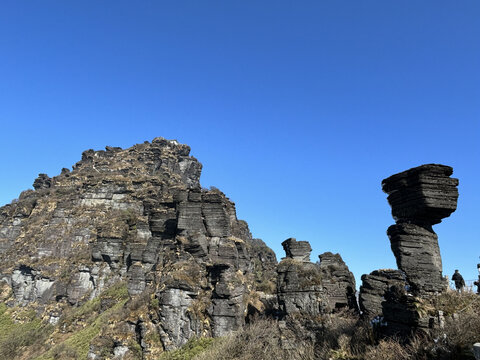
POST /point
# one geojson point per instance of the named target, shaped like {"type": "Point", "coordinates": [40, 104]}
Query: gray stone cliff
{"type": "Point", "coordinates": [138, 217]}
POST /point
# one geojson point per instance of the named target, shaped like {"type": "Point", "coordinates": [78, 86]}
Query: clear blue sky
{"type": "Point", "coordinates": [297, 109]}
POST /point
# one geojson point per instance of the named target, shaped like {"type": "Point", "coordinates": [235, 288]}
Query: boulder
{"type": "Point", "coordinates": [373, 289]}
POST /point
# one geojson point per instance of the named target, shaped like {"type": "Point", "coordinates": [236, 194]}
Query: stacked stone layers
{"type": "Point", "coordinates": [299, 282]}
{"type": "Point", "coordinates": [297, 250]}
{"type": "Point", "coordinates": [374, 287]}
{"type": "Point", "coordinates": [423, 195]}
{"type": "Point", "coordinates": [313, 289]}
{"type": "Point", "coordinates": [338, 281]}
{"type": "Point", "coordinates": [137, 216]}
{"type": "Point", "coordinates": [418, 255]}
{"type": "Point", "coordinates": [420, 197]}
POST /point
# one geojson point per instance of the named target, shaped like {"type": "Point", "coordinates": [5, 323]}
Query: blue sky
{"type": "Point", "coordinates": [297, 109]}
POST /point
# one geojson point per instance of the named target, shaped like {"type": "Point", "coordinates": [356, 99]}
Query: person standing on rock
{"type": "Point", "coordinates": [477, 284]}
{"type": "Point", "coordinates": [459, 282]}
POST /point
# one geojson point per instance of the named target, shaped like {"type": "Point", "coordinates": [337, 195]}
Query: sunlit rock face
{"type": "Point", "coordinates": [136, 216]}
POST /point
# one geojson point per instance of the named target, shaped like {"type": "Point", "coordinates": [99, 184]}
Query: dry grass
{"type": "Point", "coordinates": [259, 340]}
{"type": "Point", "coordinates": [344, 336]}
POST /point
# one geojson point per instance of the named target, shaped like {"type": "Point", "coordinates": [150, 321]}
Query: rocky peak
{"type": "Point", "coordinates": [137, 217]}
{"type": "Point", "coordinates": [167, 160]}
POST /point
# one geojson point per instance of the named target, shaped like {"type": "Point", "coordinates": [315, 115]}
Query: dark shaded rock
{"type": "Point", "coordinates": [338, 282]}
{"type": "Point", "coordinates": [418, 256]}
{"type": "Point", "coordinates": [43, 181]}
{"type": "Point", "coordinates": [423, 195]}
{"type": "Point", "coordinates": [419, 197]}
{"type": "Point", "coordinates": [399, 312]}
{"type": "Point", "coordinates": [297, 250]}
{"type": "Point", "coordinates": [299, 285]}
{"type": "Point", "coordinates": [228, 308]}
{"type": "Point", "coordinates": [374, 287]}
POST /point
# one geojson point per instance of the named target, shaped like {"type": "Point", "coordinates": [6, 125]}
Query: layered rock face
{"type": "Point", "coordinates": [423, 195]}
{"type": "Point", "coordinates": [299, 282]}
{"type": "Point", "coordinates": [420, 197]}
{"type": "Point", "coordinates": [313, 289]}
{"type": "Point", "coordinates": [338, 281]}
{"type": "Point", "coordinates": [137, 216]}
{"type": "Point", "coordinates": [374, 287]}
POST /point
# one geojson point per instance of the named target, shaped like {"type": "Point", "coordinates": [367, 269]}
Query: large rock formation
{"type": "Point", "coordinates": [338, 282]}
{"type": "Point", "coordinates": [299, 282]}
{"type": "Point", "coordinates": [313, 289]}
{"type": "Point", "coordinates": [136, 216]}
{"type": "Point", "coordinates": [419, 197]}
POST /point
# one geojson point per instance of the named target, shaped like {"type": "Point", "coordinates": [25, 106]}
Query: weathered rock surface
{"type": "Point", "coordinates": [138, 216]}
{"type": "Point", "coordinates": [299, 282]}
{"type": "Point", "coordinates": [419, 197]}
{"type": "Point", "coordinates": [374, 287]}
{"type": "Point", "coordinates": [297, 250]}
{"type": "Point", "coordinates": [424, 195]}
{"type": "Point", "coordinates": [299, 288]}
{"type": "Point", "coordinates": [418, 255]}
{"type": "Point", "coordinates": [338, 282]}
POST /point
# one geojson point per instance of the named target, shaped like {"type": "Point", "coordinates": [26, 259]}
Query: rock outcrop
{"type": "Point", "coordinates": [299, 282]}
{"type": "Point", "coordinates": [419, 197]}
{"type": "Point", "coordinates": [374, 288]}
{"type": "Point", "coordinates": [338, 282]}
{"type": "Point", "coordinates": [297, 250]}
{"type": "Point", "coordinates": [136, 216]}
